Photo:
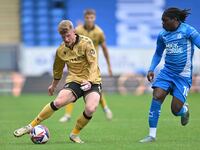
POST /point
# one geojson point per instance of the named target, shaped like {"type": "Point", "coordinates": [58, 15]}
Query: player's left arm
{"type": "Point", "coordinates": [194, 36]}
{"type": "Point", "coordinates": [103, 45]}
{"type": "Point", "coordinates": [106, 55]}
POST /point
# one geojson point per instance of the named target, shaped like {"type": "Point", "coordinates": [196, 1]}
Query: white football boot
{"type": "Point", "coordinates": [75, 138]}
{"type": "Point", "coordinates": [65, 118]}
{"type": "Point", "coordinates": [148, 139]}
{"type": "Point", "coordinates": [108, 114]}
{"type": "Point", "coordinates": [185, 118]}
{"type": "Point", "coordinates": [21, 131]}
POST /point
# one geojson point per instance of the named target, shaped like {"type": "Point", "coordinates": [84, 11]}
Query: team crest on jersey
{"type": "Point", "coordinates": [92, 52]}
{"type": "Point", "coordinates": [179, 36]}
{"type": "Point", "coordinates": [89, 42]}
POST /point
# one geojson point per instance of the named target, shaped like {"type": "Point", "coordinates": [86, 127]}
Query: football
{"type": "Point", "coordinates": [39, 134]}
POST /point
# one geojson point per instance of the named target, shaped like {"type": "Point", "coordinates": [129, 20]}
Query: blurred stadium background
{"type": "Point", "coordinates": [28, 39]}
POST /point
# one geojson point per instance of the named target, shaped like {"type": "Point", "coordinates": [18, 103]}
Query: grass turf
{"type": "Point", "coordinates": [129, 125]}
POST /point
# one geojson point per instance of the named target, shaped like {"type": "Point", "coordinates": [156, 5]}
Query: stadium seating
{"type": "Point", "coordinates": [9, 22]}
{"type": "Point", "coordinates": [39, 20]}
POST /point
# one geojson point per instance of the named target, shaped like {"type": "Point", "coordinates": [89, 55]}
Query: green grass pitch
{"type": "Point", "coordinates": [129, 125]}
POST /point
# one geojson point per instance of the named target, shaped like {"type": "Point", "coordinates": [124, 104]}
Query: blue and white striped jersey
{"type": "Point", "coordinates": [179, 48]}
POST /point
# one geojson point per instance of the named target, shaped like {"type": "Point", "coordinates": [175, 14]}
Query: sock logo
{"type": "Point", "coordinates": [151, 114]}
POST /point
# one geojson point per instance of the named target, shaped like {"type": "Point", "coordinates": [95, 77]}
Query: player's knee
{"type": "Point", "coordinates": [90, 109]}
{"type": "Point", "coordinates": [158, 96]}
{"type": "Point", "coordinates": [87, 116]}
{"type": "Point", "coordinates": [53, 106]}
{"type": "Point", "coordinates": [59, 102]}
{"type": "Point", "coordinates": [63, 99]}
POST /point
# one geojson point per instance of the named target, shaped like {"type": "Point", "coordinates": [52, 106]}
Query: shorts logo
{"type": "Point", "coordinates": [99, 87]}
{"type": "Point", "coordinates": [67, 85]}
{"type": "Point", "coordinates": [186, 90]}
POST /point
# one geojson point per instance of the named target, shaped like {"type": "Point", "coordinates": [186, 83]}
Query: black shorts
{"type": "Point", "coordinates": [76, 89]}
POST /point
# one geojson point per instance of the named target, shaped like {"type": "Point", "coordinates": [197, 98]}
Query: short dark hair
{"type": "Point", "coordinates": [180, 14]}
{"type": "Point", "coordinates": [89, 12]}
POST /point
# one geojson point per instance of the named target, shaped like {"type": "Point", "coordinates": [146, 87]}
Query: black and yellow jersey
{"type": "Point", "coordinates": [81, 62]}
{"type": "Point", "coordinates": [96, 34]}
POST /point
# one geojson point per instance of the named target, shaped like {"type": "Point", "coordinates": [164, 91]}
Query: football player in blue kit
{"type": "Point", "coordinates": [177, 39]}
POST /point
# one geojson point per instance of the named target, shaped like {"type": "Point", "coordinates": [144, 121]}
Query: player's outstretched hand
{"type": "Point", "coordinates": [51, 90]}
{"type": "Point", "coordinates": [150, 76]}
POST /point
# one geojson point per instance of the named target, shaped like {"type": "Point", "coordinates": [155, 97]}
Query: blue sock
{"type": "Point", "coordinates": [154, 113]}
{"type": "Point", "coordinates": [182, 111]}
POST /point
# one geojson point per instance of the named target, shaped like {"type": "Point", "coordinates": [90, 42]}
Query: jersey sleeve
{"type": "Point", "coordinates": [158, 53]}
{"type": "Point", "coordinates": [194, 36]}
{"type": "Point", "coordinates": [58, 66]}
{"type": "Point", "coordinates": [77, 30]}
{"type": "Point", "coordinates": [101, 37]}
{"type": "Point", "coordinates": [91, 55]}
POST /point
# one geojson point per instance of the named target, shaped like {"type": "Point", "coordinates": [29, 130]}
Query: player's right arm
{"type": "Point", "coordinates": [52, 87]}
{"type": "Point", "coordinates": [156, 58]}
{"type": "Point", "coordinates": [58, 66]}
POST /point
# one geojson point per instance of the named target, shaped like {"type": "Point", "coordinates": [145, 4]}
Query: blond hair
{"type": "Point", "coordinates": [65, 25]}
